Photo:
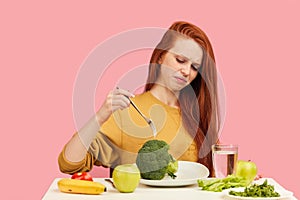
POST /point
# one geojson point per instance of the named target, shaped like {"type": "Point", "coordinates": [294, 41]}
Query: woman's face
{"type": "Point", "coordinates": [179, 65]}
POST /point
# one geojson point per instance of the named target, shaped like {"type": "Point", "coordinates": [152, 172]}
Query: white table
{"type": "Point", "coordinates": [143, 192]}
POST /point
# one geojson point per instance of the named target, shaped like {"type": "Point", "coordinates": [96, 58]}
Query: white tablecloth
{"type": "Point", "coordinates": [143, 192]}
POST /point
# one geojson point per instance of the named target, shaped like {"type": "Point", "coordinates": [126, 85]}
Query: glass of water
{"type": "Point", "coordinates": [224, 159]}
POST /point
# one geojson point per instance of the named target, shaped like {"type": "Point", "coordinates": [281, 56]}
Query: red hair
{"type": "Point", "coordinates": [198, 101]}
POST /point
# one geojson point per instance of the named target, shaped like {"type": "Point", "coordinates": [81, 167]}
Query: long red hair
{"type": "Point", "coordinates": [198, 101]}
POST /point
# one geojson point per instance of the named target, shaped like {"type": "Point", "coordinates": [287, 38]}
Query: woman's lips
{"type": "Point", "coordinates": [180, 80]}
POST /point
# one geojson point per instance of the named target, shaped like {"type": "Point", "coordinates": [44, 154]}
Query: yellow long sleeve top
{"type": "Point", "coordinates": [124, 133]}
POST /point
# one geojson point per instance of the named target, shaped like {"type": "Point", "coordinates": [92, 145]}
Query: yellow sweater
{"type": "Point", "coordinates": [120, 138]}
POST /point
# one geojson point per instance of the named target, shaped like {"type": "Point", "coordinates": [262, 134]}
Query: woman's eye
{"type": "Point", "coordinates": [194, 67]}
{"type": "Point", "coordinates": [180, 60]}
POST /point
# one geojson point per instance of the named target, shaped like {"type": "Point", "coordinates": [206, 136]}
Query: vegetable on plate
{"type": "Point", "coordinates": [155, 162]}
{"type": "Point", "coordinates": [220, 184]}
{"type": "Point", "coordinates": [257, 190]}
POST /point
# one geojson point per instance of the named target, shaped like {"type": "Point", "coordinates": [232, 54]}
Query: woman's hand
{"type": "Point", "coordinates": [116, 99]}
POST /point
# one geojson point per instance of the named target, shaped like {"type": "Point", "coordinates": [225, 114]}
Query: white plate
{"type": "Point", "coordinates": [284, 194]}
{"type": "Point", "coordinates": [188, 173]}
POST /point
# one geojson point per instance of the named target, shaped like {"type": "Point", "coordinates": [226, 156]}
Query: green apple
{"type": "Point", "coordinates": [246, 169]}
{"type": "Point", "coordinates": [126, 177]}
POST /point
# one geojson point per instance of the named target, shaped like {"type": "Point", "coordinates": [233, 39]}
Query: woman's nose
{"type": "Point", "coordinates": [185, 69]}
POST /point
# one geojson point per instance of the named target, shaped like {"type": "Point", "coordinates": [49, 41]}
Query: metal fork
{"type": "Point", "coordinates": [149, 121]}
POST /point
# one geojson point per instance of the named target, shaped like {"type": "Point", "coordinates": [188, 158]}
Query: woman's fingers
{"type": "Point", "coordinates": [115, 100]}
{"type": "Point", "coordinates": [119, 99]}
{"type": "Point", "coordinates": [120, 102]}
{"type": "Point", "coordinates": [123, 92]}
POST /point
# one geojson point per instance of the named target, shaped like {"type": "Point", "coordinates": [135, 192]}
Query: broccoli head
{"type": "Point", "coordinates": [154, 161]}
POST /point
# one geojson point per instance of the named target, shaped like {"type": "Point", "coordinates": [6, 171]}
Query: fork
{"type": "Point", "coordinates": [149, 121]}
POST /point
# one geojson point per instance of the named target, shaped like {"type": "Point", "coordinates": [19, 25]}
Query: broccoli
{"type": "Point", "coordinates": [154, 161]}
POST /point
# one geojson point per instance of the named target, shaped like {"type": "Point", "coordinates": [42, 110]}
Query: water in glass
{"type": "Point", "coordinates": [224, 159]}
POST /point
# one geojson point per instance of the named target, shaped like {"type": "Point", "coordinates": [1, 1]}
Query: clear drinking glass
{"type": "Point", "coordinates": [224, 159]}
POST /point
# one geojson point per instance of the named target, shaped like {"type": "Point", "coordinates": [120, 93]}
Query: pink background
{"type": "Point", "coordinates": [43, 45]}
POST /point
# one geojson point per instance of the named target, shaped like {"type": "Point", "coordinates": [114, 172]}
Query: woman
{"type": "Point", "coordinates": [180, 97]}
